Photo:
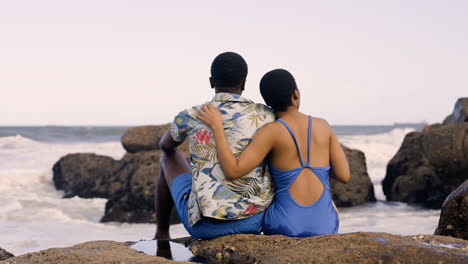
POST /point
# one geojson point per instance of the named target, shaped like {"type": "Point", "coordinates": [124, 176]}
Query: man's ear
{"type": "Point", "coordinates": [242, 85]}
{"type": "Point", "coordinates": [212, 84]}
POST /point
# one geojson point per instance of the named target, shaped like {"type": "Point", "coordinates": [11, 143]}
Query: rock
{"type": "Point", "coordinates": [129, 183]}
{"type": "Point", "coordinates": [146, 138]}
{"type": "Point", "coordinates": [460, 111]}
{"type": "Point", "coordinates": [135, 203]}
{"type": "Point", "coordinates": [447, 120]}
{"type": "Point", "coordinates": [143, 138]}
{"type": "Point", "coordinates": [5, 254]}
{"type": "Point", "coordinates": [87, 175]}
{"type": "Point", "coordinates": [359, 189]}
{"type": "Point", "coordinates": [454, 214]}
{"type": "Point", "coordinates": [106, 252]}
{"type": "Point", "coordinates": [336, 248]}
{"type": "Point", "coordinates": [428, 166]}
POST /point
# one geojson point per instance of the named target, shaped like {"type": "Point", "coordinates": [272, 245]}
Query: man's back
{"type": "Point", "coordinates": [212, 195]}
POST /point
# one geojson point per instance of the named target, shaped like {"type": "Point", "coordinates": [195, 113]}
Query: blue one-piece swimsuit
{"type": "Point", "coordinates": [287, 217]}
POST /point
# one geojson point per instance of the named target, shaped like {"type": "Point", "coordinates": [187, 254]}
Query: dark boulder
{"type": "Point", "coordinates": [359, 189]}
{"type": "Point", "coordinates": [454, 214]}
{"type": "Point", "coordinates": [5, 254]}
{"type": "Point", "coordinates": [142, 138]}
{"type": "Point", "coordinates": [135, 204]}
{"type": "Point", "coordinates": [87, 175]}
{"type": "Point", "coordinates": [428, 166]}
{"type": "Point", "coordinates": [336, 248]}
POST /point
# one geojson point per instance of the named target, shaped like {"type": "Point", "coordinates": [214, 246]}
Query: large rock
{"type": "Point", "coordinates": [142, 138]}
{"type": "Point", "coordinates": [135, 204]}
{"type": "Point", "coordinates": [359, 189]}
{"type": "Point", "coordinates": [105, 252]}
{"type": "Point", "coordinates": [428, 166]}
{"type": "Point", "coordinates": [88, 176]}
{"type": "Point", "coordinates": [146, 138]}
{"type": "Point", "coordinates": [336, 248]}
{"type": "Point", "coordinates": [5, 254]}
{"type": "Point", "coordinates": [454, 214]}
{"type": "Point", "coordinates": [129, 183]}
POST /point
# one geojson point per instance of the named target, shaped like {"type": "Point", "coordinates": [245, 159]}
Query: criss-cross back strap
{"type": "Point", "coordinates": [295, 141]}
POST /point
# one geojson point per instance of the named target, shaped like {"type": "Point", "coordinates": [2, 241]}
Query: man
{"type": "Point", "coordinates": [208, 204]}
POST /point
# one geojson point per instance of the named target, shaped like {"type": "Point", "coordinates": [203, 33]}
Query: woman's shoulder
{"type": "Point", "coordinates": [320, 121]}
{"type": "Point", "coordinates": [321, 124]}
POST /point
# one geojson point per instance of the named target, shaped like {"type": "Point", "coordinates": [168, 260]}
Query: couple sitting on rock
{"type": "Point", "coordinates": [251, 167]}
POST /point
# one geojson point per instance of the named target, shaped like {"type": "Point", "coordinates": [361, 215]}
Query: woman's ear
{"type": "Point", "coordinates": [296, 98]}
{"type": "Point", "coordinates": [297, 95]}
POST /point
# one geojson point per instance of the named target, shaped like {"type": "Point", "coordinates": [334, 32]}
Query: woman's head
{"type": "Point", "coordinates": [277, 88]}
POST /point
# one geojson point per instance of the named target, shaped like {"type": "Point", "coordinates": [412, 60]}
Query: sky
{"type": "Point", "coordinates": [114, 62]}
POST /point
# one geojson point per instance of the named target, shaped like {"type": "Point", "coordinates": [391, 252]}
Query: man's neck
{"type": "Point", "coordinates": [229, 90]}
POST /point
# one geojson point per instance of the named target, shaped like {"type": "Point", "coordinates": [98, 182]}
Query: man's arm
{"type": "Point", "coordinates": [167, 143]}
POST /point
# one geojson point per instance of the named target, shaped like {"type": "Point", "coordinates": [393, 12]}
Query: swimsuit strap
{"type": "Point", "coordinates": [295, 141]}
{"type": "Point", "coordinates": [310, 135]}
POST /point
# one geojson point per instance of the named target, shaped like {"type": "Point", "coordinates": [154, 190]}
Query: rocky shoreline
{"type": "Point", "coordinates": [430, 169]}
{"type": "Point", "coordinates": [357, 247]}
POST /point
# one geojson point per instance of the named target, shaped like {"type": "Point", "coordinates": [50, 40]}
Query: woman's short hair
{"type": "Point", "coordinates": [277, 87]}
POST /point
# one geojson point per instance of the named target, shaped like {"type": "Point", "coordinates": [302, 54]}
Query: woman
{"type": "Point", "coordinates": [302, 205]}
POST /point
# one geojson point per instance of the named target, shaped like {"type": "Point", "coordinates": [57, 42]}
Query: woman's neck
{"type": "Point", "coordinates": [291, 112]}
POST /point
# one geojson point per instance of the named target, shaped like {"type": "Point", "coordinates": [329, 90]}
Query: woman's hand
{"type": "Point", "coordinates": [211, 116]}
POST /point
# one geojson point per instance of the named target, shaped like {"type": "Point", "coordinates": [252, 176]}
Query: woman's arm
{"type": "Point", "coordinates": [250, 157]}
{"type": "Point", "coordinates": [338, 161]}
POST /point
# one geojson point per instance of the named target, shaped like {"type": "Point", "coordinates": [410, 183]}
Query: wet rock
{"type": "Point", "coordinates": [105, 252]}
{"type": "Point", "coordinates": [428, 166]}
{"type": "Point", "coordinates": [454, 214]}
{"type": "Point", "coordinates": [359, 189]}
{"type": "Point", "coordinates": [5, 254]}
{"type": "Point", "coordinates": [87, 175]}
{"type": "Point", "coordinates": [336, 248]}
{"type": "Point", "coordinates": [143, 138]}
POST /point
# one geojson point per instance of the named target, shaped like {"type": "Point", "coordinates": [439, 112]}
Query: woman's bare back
{"type": "Point", "coordinates": [307, 188]}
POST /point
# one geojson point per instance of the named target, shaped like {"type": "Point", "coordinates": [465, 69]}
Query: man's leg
{"type": "Point", "coordinates": [171, 166]}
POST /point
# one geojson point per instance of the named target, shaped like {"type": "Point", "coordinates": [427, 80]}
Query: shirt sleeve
{"type": "Point", "coordinates": [179, 126]}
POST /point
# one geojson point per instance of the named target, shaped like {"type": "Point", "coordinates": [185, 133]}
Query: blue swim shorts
{"type": "Point", "coordinates": [207, 227]}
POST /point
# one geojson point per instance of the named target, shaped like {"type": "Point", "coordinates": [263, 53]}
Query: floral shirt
{"type": "Point", "coordinates": [212, 195]}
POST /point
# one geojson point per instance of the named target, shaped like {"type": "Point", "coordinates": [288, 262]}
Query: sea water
{"type": "Point", "coordinates": [33, 215]}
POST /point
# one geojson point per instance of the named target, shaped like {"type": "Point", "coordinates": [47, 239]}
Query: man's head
{"type": "Point", "coordinates": [278, 89]}
{"type": "Point", "coordinates": [228, 73]}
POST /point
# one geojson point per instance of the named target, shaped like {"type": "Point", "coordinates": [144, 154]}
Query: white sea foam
{"type": "Point", "coordinates": [378, 149]}
{"type": "Point", "coordinates": [33, 215]}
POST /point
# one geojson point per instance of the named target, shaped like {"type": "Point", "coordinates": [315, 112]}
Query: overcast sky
{"type": "Point", "coordinates": [140, 62]}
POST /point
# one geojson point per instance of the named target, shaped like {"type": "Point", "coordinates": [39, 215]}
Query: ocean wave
{"type": "Point", "coordinates": [10, 142]}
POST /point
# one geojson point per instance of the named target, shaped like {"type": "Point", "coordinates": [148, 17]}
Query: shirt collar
{"type": "Point", "coordinates": [230, 97]}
